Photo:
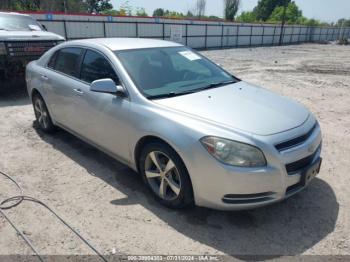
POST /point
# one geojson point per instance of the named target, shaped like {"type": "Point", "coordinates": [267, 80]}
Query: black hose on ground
{"type": "Point", "coordinates": [17, 200]}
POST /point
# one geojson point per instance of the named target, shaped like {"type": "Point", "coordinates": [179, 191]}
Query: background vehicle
{"type": "Point", "coordinates": [22, 39]}
{"type": "Point", "coordinates": [192, 130]}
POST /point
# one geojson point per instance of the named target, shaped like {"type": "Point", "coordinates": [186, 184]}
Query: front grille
{"type": "Point", "coordinates": [300, 164]}
{"type": "Point", "coordinates": [295, 141]}
{"type": "Point", "coordinates": [28, 48]}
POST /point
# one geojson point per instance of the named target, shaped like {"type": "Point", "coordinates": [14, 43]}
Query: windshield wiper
{"type": "Point", "coordinates": [214, 85]}
{"type": "Point", "coordinates": [171, 94]}
{"type": "Point", "coordinates": [210, 86]}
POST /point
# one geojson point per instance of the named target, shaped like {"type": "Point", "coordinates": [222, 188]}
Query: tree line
{"type": "Point", "coordinates": [266, 11]}
{"type": "Point", "coordinates": [273, 11]}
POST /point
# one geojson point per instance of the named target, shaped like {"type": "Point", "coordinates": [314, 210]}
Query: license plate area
{"type": "Point", "coordinates": [309, 173]}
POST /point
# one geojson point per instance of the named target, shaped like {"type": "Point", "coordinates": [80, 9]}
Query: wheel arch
{"type": "Point", "coordinates": [143, 141]}
{"type": "Point", "coordinates": [35, 92]}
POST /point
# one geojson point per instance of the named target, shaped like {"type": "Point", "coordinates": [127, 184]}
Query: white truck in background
{"type": "Point", "coordinates": [22, 39]}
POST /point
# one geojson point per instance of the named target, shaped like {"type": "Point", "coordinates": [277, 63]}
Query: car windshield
{"type": "Point", "coordinates": [18, 23]}
{"type": "Point", "coordinates": [171, 71]}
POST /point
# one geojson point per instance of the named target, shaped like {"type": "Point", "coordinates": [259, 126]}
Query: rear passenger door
{"type": "Point", "coordinates": [64, 85]}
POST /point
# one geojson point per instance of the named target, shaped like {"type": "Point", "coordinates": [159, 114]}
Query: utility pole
{"type": "Point", "coordinates": [65, 6]}
{"type": "Point", "coordinates": [283, 21]}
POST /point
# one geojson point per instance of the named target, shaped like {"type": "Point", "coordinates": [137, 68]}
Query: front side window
{"type": "Point", "coordinates": [67, 61]}
{"type": "Point", "coordinates": [19, 23]}
{"type": "Point", "coordinates": [95, 67]}
{"type": "Point", "coordinates": [170, 71]}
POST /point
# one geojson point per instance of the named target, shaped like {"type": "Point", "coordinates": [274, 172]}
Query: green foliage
{"type": "Point", "coordinates": [247, 17]}
{"type": "Point", "coordinates": [231, 9]}
{"type": "Point", "coordinates": [141, 12]}
{"type": "Point", "coordinates": [158, 12]}
{"type": "Point", "coordinates": [343, 22]}
{"type": "Point", "coordinates": [293, 14]}
{"type": "Point", "coordinates": [125, 9]}
{"type": "Point", "coordinates": [98, 6]}
{"type": "Point", "coordinates": [265, 8]}
{"type": "Point", "coordinates": [190, 14]}
{"type": "Point", "coordinates": [173, 14]}
{"type": "Point", "coordinates": [111, 12]}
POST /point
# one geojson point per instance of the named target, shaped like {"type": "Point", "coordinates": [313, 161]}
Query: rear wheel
{"type": "Point", "coordinates": [42, 114]}
{"type": "Point", "coordinates": [166, 175]}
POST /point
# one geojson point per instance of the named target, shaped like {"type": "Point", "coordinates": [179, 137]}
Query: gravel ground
{"type": "Point", "coordinates": [109, 205]}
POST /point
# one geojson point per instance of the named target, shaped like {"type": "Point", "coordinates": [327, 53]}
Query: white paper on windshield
{"type": "Point", "coordinates": [190, 55]}
{"type": "Point", "coordinates": [35, 27]}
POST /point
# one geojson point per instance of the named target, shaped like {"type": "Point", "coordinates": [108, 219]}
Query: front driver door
{"type": "Point", "coordinates": [103, 118]}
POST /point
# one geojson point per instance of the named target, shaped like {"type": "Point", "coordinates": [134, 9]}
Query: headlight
{"type": "Point", "coordinates": [2, 48]}
{"type": "Point", "coordinates": [234, 153]}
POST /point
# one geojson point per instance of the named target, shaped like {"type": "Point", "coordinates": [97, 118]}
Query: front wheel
{"type": "Point", "coordinates": [166, 175]}
{"type": "Point", "coordinates": [42, 114]}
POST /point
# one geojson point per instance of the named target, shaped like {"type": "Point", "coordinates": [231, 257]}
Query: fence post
{"type": "Point", "coordinates": [163, 30]}
{"type": "Point", "coordinates": [104, 29]}
{"type": "Point", "coordinates": [274, 33]}
{"type": "Point", "coordinates": [262, 37]}
{"type": "Point", "coordinates": [137, 29]}
{"type": "Point", "coordinates": [206, 36]}
{"type": "Point", "coordinates": [299, 34]}
{"type": "Point", "coordinates": [186, 33]}
{"type": "Point", "coordinates": [310, 32]}
{"type": "Point", "coordinates": [237, 34]}
{"type": "Point", "coordinates": [251, 33]}
{"type": "Point", "coordinates": [65, 29]}
{"type": "Point", "coordinates": [222, 36]}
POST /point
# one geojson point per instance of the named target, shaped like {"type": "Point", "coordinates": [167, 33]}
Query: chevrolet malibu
{"type": "Point", "coordinates": [196, 133]}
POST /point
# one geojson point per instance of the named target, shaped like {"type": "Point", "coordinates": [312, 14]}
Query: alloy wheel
{"type": "Point", "coordinates": [41, 113]}
{"type": "Point", "coordinates": [162, 175]}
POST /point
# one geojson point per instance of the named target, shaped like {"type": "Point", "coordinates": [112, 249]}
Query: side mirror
{"type": "Point", "coordinates": [44, 26]}
{"type": "Point", "coordinates": [107, 86]}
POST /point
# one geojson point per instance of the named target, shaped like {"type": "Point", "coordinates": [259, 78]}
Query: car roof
{"type": "Point", "coordinates": [116, 44]}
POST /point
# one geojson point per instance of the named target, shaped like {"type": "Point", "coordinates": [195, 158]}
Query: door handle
{"type": "Point", "coordinates": [44, 77]}
{"type": "Point", "coordinates": [78, 91]}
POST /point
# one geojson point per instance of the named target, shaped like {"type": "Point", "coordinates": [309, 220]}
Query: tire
{"type": "Point", "coordinates": [42, 115]}
{"type": "Point", "coordinates": [171, 187]}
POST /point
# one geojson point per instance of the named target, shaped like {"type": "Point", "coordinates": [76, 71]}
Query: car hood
{"type": "Point", "coordinates": [242, 106]}
{"type": "Point", "coordinates": [28, 36]}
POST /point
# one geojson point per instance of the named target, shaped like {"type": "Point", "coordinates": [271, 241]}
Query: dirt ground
{"type": "Point", "coordinates": [109, 205]}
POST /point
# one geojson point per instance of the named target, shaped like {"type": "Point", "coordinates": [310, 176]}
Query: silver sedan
{"type": "Point", "coordinates": [195, 133]}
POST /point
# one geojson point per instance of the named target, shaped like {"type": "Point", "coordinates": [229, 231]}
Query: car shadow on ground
{"type": "Point", "coordinates": [13, 94]}
{"type": "Point", "coordinates": [287, 228]}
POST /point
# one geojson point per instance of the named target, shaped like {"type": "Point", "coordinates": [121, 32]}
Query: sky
{"type": "Point", "coordinates": [325, 10]}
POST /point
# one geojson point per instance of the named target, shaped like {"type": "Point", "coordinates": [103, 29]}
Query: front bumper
{"type": "Point", "coordinates": [224, 187]}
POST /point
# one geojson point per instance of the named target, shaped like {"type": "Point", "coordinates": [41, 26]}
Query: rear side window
{"type": "Point", "coordinates": [67, 61]}
{"type": "Point", "coordinates": [52, 61]}
{"type": "Point", "coordinates": [95, 67]}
